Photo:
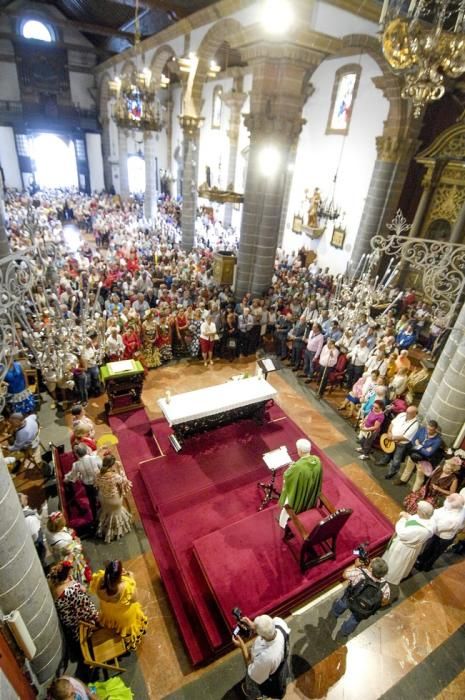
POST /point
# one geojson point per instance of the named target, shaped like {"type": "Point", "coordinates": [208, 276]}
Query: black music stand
{"type": "Point", "coordinates": [268, 364]}
{"type": "Point", "coordinates": [274, 460]}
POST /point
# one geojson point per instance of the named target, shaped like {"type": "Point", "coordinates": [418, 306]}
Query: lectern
{"type": "Point", "coordinates": [123, 383]}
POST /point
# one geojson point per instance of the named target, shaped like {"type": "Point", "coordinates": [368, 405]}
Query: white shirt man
{"type": "Point", "coordinates": [329, 354]}
{"type": "Point", "coordinates": [114, 345]}
{"type": "Point", "coordinates": [359, 355]}
{"type": "Point", "coordinates": [447, 521]}
{"type": "Point", "coordinates": [266, 653]}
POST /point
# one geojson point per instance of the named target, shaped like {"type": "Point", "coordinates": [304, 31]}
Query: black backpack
{"type": "Point", "coordinates": [275, 686]}
{"type": "Point", "coordinates": [365, 597]}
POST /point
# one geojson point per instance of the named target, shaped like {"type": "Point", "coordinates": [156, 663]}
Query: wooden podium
{"type": "Point", "coordinates": [123, 383]}
{"type": "Point", "coordinates": [223, 267]}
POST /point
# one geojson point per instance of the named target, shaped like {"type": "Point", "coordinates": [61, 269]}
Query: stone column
{"type": "Point", "coordinates": [458, 232]}
{"type": "Point", "coordinates": [190, 127]}
{"type": "Point", "coordinates": [378, 191]}
{"type": "Point", "coordinates": [444, 398]}
{"type": "Point", "coordinates": [106, 152]}
{"type": "Point", "coordinates": [235, 101]}
{"type": "Point", "coordinates": [150, 196]}
{"type": "Point", "coordinates": [169, 133]}
{"type": "Point", "coordinates": [4, 242]}
{"type": "Point", "coordinates": [394, 153]}
{"type": "Point", "coordinates": [123, 164]}
{"type": "Point", "coordinates": [23, 585]}
{"type": "Point", "coordinates": [275, 121]}
{"type": "Point", "coordinates": [420, 213]}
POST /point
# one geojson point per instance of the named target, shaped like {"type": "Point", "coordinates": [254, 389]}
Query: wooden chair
{"type": "Point", "coordinates": [99, 646]}
{"type": "Point", "coordinates": [318, 535]}
{"type": "Point", "coordinates": [32, 382]}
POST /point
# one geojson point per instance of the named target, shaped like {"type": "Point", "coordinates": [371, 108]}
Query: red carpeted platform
{"type": "Point", "coordinates": [214, 550]}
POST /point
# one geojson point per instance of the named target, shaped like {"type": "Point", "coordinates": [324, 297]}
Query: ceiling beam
{"type": "Point", "coordinates": [81, 26]}
{"type": "Point", "coordinates": [164, 5]}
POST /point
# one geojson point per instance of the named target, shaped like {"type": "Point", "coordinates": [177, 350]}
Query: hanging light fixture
{"type": "Point", "coordinates": [136, 106]}
{"type": "Point", "coordinates": [425, 45]}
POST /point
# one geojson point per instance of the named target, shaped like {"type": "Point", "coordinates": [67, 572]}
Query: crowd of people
{"type": "Point", "coordinates": [135, 293]}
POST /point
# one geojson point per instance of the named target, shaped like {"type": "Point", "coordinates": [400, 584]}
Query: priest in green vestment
{"type": "Point", "coordinates": [302, 482]}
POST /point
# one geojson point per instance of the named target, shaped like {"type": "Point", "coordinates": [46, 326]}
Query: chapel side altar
{"type": "Point", "coordinates": [214, 406]}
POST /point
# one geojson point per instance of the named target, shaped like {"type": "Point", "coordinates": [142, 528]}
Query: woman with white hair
{"type": "Point", "coordinates": [412, 532]}
{"type": "Point", "coordinates": [302, 482]}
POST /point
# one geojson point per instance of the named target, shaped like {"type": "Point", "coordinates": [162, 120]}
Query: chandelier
{"type": "Point", "coordinates": [424, 45]}
{"type": "Point", "coordinates": [136, 106]}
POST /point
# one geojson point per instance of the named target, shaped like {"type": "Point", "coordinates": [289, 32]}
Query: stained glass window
{"type": "Point", "coordinates": [344, 92]}
{"type": "Point", "coordinates": [135, 105]}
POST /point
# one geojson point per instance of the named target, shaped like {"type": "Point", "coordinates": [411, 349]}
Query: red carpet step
{"type": "Point", "coordinates": [214, 550]}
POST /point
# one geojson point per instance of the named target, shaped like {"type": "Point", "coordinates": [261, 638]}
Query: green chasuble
{"type": "Point", "coordinates": [302, 484]}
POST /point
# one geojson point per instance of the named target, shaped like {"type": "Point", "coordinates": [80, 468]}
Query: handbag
{"type": "Point", "coordinates": [231, 343]}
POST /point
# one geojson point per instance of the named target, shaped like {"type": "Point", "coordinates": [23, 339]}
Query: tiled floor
{"type": "Point", "coordinates": [378, 661]}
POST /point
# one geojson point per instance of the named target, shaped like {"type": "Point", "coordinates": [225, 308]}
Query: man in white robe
{"type": "Point", "coordinates": [412, 532]}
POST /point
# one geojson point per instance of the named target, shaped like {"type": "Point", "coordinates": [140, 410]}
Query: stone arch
{"type": "Point", "coordinates": [160, 57]}
{"type": "Point", "coordinates": [216, 35]}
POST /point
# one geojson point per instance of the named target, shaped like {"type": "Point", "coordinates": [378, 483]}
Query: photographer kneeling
{"type": "Point", "coordinates": [267, 659]}
{"type": "Point", "coordinates": [366, 593]}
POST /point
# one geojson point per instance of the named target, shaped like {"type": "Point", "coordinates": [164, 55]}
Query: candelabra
{"type": "Point", "coordinates": [48, 334]}
{"type": "Point", "coordinates": [424, 44]}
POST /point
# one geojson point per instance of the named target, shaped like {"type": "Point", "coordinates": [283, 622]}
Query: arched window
{"type": "Point", "coordinates": [342, 99]}
{"type": "Point", "coordinates": [35, 29]}
{"type": "Point", "coordinates": [217, 107]}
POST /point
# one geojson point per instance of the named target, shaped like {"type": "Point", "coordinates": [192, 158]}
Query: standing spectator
{"type": "Point", "coordinates": [358, 357]}
{"type": "Point", "coordinates": [328, 360]}
{"type": "Point", "coordinates": [245, 324]}
{"type": "Point", "coordinates": [264, 660]}
{"type": "Point", "coordinates": [208, 335]}
{"type": "Point", "coordinates": [86, 470]}
{"type": "Point", "coordinates": [297, 336]}
{"type": "Point", "coordinates": [370, 429]}
{"type": "Point", "coordinates": [369, 578]}
{"type": "Point", "coordinates": [312, 352]}
{"type": "Point", "coordinates": [112, 485]}
{"type": "Point", "coordinates": [283, 328]}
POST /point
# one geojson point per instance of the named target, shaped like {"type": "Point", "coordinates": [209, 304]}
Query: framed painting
{"type": "Point", "coordinates": [338, 238]}
{"type": "Point", "coordinates": [297, 223]}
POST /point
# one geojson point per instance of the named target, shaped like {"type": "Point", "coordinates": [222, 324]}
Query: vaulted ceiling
{"type": "Point", "coordinates": [109, 24]}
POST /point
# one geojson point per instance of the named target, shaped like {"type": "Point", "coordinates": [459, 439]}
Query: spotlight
{"type": "Point", "coordinates": [269, 160]}
{"type": "Point", "coordinates": [277, 16]}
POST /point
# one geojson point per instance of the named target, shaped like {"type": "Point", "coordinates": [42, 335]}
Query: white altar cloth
{"type": "Point", "coordinates": [192, 405]}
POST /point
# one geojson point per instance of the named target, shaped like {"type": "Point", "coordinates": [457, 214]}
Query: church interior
{"type": "Point", "coordinates": [232, 349]}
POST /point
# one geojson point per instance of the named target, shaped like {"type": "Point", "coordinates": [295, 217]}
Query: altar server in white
{"type": "Point", "coordinates": [412, 532]}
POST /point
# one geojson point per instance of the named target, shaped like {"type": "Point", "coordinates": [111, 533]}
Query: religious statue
{"type": "Point", "coordinates": [315, 201]}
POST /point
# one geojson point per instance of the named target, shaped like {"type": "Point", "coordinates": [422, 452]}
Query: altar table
{"type": "Point", "coordinates": [196, 411]}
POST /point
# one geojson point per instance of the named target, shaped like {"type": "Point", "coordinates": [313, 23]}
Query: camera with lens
{"type": "Point", "coordinates": [241, 629]}
{"type": "Point", "coordinates": [362, 553]}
